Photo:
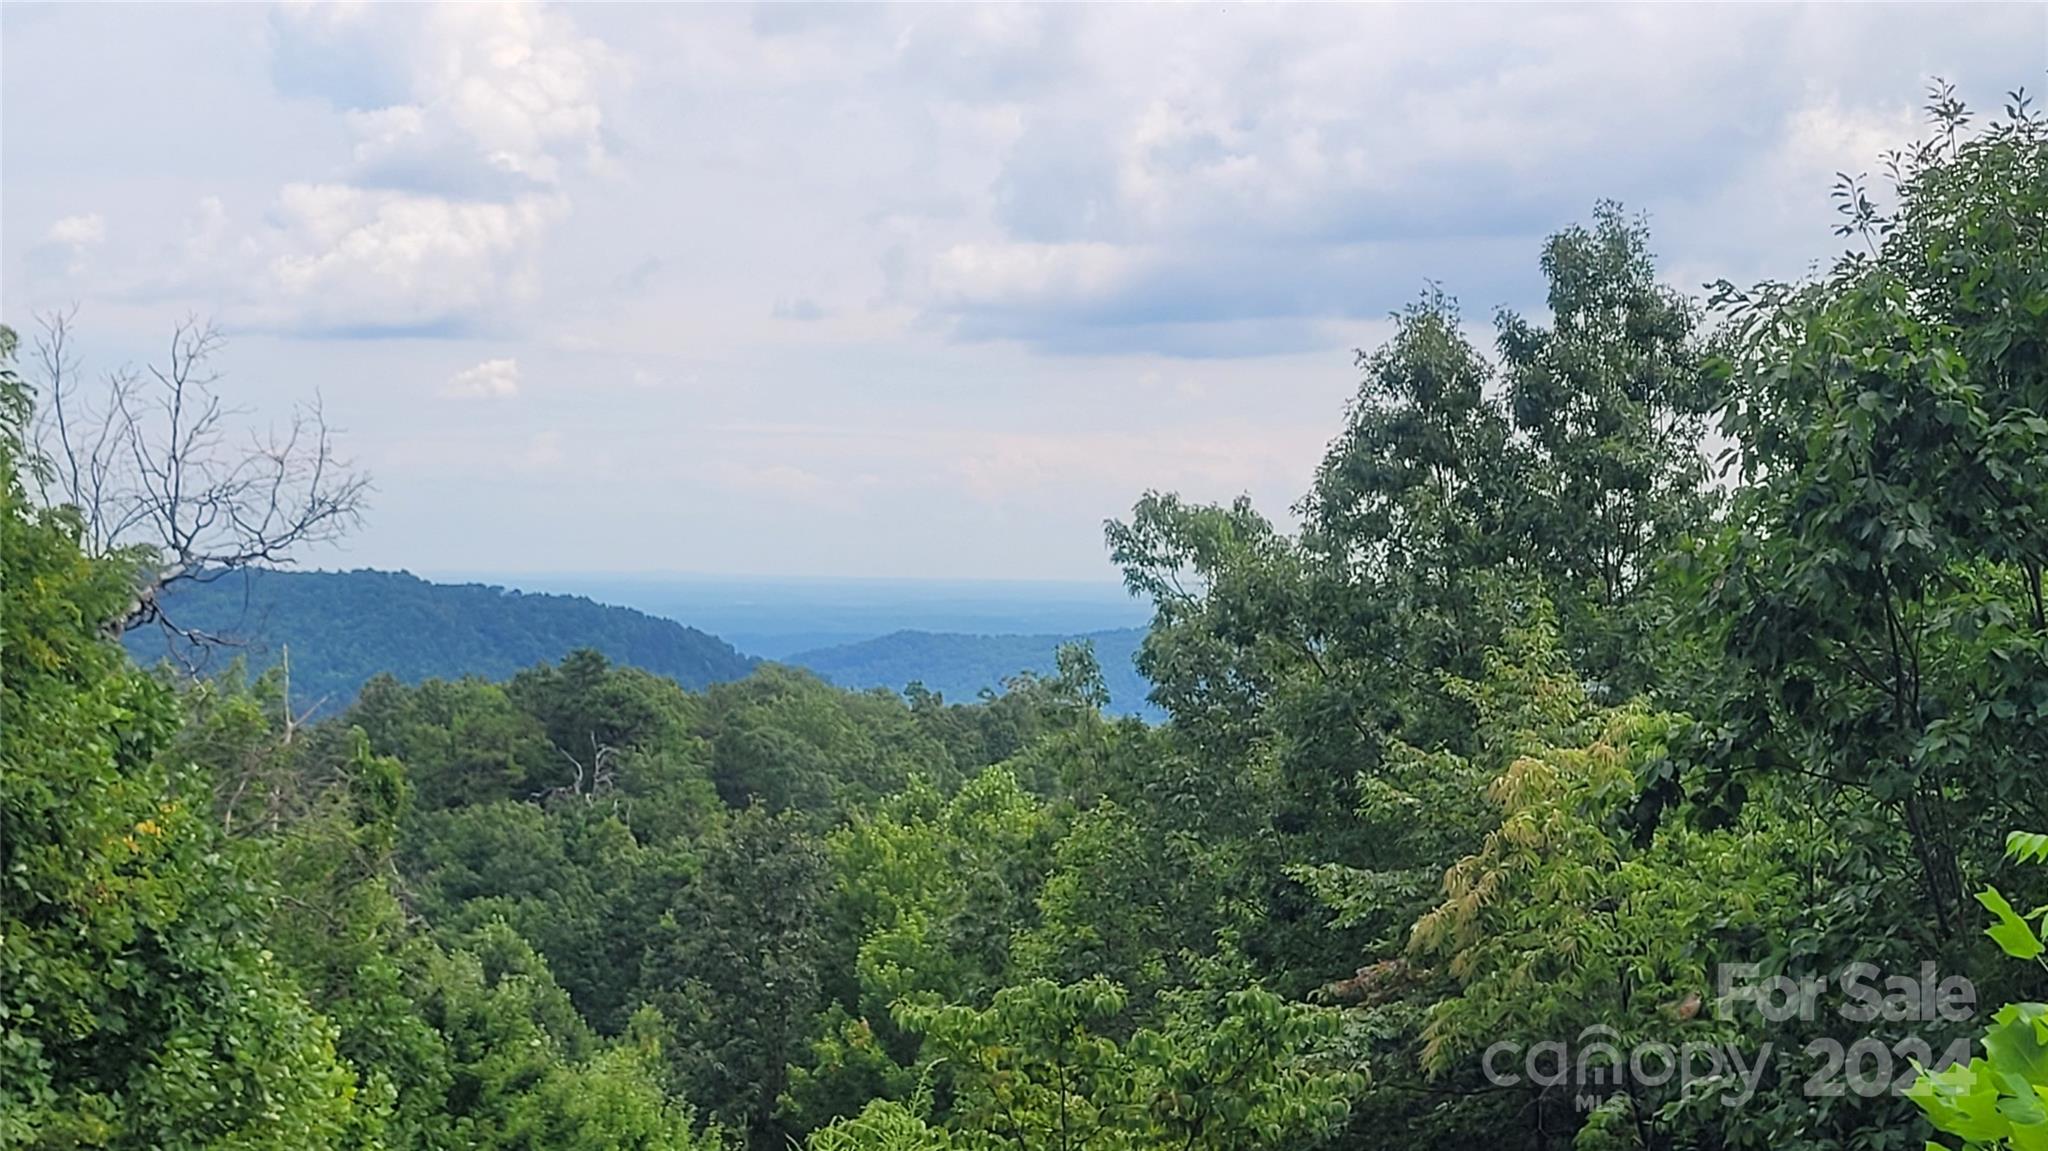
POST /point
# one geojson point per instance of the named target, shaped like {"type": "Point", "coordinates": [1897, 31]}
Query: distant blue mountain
{"type": "Point", "coordinates": [775, 616]}
{"type": "Point", "coordinates": [961, 666]}
{"type": "Point", "coordinates": [345, 627]}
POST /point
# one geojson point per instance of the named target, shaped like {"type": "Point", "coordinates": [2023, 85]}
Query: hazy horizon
{"type": "Point", "coordinates": [628, 575]}
{"type": "Point", "coordinates": [774, 617]}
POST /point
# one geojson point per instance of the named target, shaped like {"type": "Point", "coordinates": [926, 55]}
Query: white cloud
{"type": "Point", "coordinates": [465, 121]}
{"type": "Point", "coordinates": [488, 380]}
{"type": "Point", "coordinates": [512, 87]}
{"type": "Point", "coordinates": [958, 191]}
{"type": "Point", "coordinates": [351, 257]}
{"type": "Point", "coordinates": [80, 231]}
{"type": "Point", "coordinates": [1304, 166]}
{"type": "Point", "coordinates": [383, 133]}
{"type": "Point", "coordinates": [518, 81]}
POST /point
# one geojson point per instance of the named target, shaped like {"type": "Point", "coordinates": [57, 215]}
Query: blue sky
{"type": "Point", "coordinates": [887, 291]}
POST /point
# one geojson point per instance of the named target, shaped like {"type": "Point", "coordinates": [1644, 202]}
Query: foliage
{"type": "Point", "coordinates": [2000, 1100]}
{"type": "Point", "coordinates": [735, 963]}
{"type": "Point", "coordinates": [931, 889]}
{"type": "Point", "coordinates": [1558, 926]}
{"type": "Point", "coordinates": [785, 739]}
{"type": "Point", "coordinates": [1613, 400]}
{"type": "Point", "coordinates": [1524, 731]}
{"type": "Point", "coordinates": [1030, 1072]}
{"type": "Point", "coordinates": [1877, 595]}
{"type": "Point", "coordinates": [139, 1006]}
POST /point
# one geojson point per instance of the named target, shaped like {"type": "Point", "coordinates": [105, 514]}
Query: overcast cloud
{"type": "Point", "coordinates": [888, 291]}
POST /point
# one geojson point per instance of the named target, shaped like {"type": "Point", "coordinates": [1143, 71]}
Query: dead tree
{"type": "Point", "coordinates": [601, 771]}
{"type": "Point", "coordinates": [160, 468]}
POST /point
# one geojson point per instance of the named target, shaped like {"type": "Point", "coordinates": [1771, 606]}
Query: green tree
{"type": "Point", "coordinates": [1613, 398]}
{"type": "Point", "coordinates": [1876, 598]}
{"type": "Point", "coordinates": [338, 927]}
{"type": "Point", "coordinates": [570, 878]}
{"type": "Point", "coordinates": [786, 740]}
{"type": "Point", "coordinates": [927, 895]}
{"type": "Point", "coordinates": [138, 1004]}
{"type": "Point", "coordinates": [735, 967]}
{"type": "Point", "coordinates": [464, 742]}
{"type": "Point", "coordinates": [1458, 493]}
{"type": "Point", "coordinates": [526, 1073]}
{"type": "Point", "coordinates": [1030, 1071]}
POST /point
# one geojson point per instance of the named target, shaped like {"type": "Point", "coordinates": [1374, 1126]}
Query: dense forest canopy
{"type": "Point", "coordinates": [1638, 704]}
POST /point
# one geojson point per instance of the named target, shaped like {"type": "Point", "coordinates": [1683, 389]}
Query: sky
{"type": "Point", "coordinates": [925, 291]}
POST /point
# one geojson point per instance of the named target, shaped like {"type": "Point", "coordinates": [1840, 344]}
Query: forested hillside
{"type": "Point", "coordinates": [961, 667]}
{"type": "Point", "coordinates": [344, 628]}
{"type": "Point", "coordinates": [1552, 785]}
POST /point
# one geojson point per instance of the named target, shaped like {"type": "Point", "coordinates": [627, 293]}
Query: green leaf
{"type": "Point", "coordinates": [2027, 846]}
{"type": "Point", "coordinates": [1961, 1100]}
{"type": "Point", "coordinates": [2011, 932]}
{"type": "Point", "coordinates": [2017, 1050]}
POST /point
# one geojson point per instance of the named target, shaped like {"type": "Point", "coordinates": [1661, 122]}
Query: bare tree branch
{"type": "Point", "coordinates": [155, 460]}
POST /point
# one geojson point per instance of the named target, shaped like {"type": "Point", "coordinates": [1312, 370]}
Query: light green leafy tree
{"type": "Point", "coordinates": [1031, 1071]}
{"type": "Point", "coordinates": [927, 893]}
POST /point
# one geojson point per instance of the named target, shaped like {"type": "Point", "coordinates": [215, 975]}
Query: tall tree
{"type": "Point", "coordinates": [1459, 496]}
{"type": "Point", "coordinates": [1878, 597]}
{"type": "Point", "coordinates": [1613, 399]}
{"type": "Point", "coordinates": [735, 968]}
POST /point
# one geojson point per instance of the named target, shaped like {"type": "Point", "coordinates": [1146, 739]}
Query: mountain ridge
{"type": "Point", "coordinates": [343, 627]}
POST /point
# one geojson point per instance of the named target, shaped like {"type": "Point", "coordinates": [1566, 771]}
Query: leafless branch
{"type": "Point", "coordinates": [604, 758]}
{"type": "Point", "coordinates": [155, 459]}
